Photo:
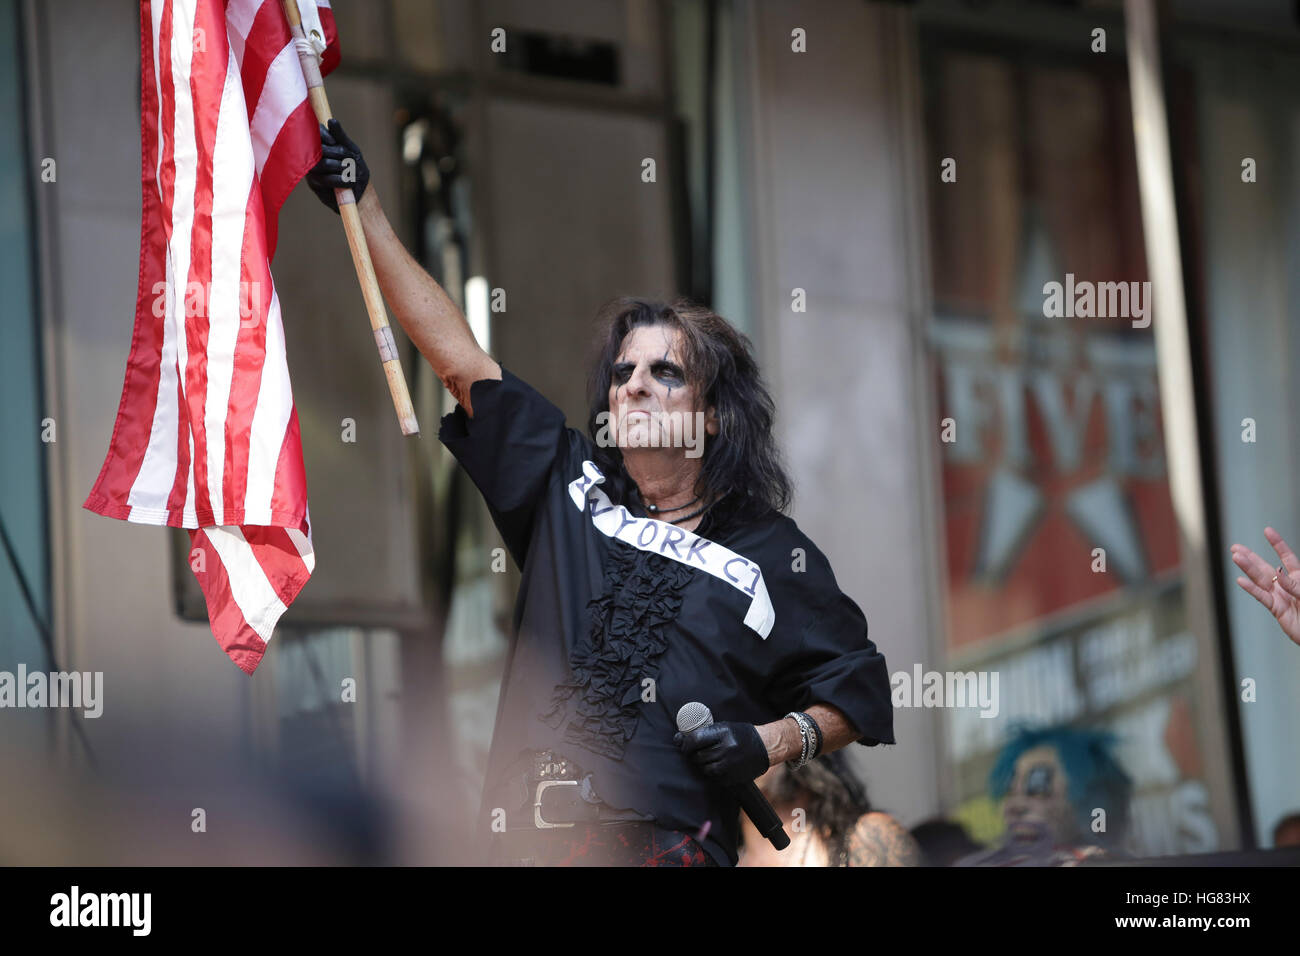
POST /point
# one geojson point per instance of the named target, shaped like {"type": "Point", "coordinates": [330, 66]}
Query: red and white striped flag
{"type": "Point", "coordinates": [206, 436]}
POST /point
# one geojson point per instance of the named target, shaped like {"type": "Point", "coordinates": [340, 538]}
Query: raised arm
{"type": "Point", "coordinates": [427, 314]}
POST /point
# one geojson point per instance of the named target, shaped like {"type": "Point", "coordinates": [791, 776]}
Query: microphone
{"type": "Point", "coordinates": [695, 715]}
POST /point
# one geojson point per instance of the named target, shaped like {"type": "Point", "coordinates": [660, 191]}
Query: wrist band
{"type": "Point", "coordinates": [810, 735]}
{"type": "Point", "coordinates": [817, 732]}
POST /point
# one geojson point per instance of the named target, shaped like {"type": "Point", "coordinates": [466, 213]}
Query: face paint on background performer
{"type": "Point", "coordinates": [1053, 781]}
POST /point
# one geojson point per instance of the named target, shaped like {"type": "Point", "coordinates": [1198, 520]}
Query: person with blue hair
{"type": "Point", "coordinates": [1065, 798]}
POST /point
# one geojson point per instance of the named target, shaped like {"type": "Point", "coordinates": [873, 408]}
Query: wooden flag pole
{"type": "Point", "coordinates": [356, 238]}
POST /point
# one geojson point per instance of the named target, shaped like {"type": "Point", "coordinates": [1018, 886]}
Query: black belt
{"type": "Point", "coordinates": [550, 791]}
{"type": "Point", "coordinates": [557, 813]}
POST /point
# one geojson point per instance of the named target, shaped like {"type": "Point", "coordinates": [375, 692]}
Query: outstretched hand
{"type": "Point", "coordinates": [1277, 588]}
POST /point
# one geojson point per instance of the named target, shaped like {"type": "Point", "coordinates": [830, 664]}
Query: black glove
{"type": "Point", "coordinates": [331, 173]}
{"type": "Point", "coordinates": [728, 753]}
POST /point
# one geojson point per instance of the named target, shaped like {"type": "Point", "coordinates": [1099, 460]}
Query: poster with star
{"type": "Point", "coordinates": [1060, 543]}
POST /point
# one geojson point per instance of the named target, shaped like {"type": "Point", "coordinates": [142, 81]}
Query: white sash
{"type": "Point", "coordinates": [660, 537]}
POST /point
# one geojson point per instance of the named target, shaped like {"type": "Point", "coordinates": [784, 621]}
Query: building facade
{"type": "Point", "coordinates": [931, 218]}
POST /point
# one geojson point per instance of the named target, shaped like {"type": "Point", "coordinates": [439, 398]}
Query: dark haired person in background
{"type": "Point", "coordinates": [943, 842]}
{"type": "Point", "coordinates": [1287, 831]}
{"type": "Point", "coordinates": [838, 827]}
{"type": "Point", "coordinates": [658, 569]}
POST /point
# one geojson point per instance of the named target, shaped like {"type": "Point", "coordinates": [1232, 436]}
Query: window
{"type": "Point", "coordinates": [25, 428]}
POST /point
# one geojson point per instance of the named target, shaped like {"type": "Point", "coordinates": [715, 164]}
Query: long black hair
{"type": "Point", "coordinates": [742, 461]}
{"type": "Point", "coordinates": [834, 797]}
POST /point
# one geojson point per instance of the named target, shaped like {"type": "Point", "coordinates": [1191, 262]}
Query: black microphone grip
{"type": "Point", "coordinates": [761, 814]}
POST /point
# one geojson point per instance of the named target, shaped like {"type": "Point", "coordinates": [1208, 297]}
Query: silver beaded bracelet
{"type": "Point", "coordinates": [810, 742]}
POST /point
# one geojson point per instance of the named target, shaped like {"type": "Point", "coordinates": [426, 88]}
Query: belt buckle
{"type": "Point", "coordinates": [537, 804]}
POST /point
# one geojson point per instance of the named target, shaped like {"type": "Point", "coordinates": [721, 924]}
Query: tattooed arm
{"type": "Point", "coordinates": [430, 318]}
{"type": "Point", "coordinates": [880, 840]}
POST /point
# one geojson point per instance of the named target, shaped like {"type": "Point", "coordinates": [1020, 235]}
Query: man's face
{"type": "Point", "coordinates": [650, 402]}
{"type": "Point", "coordinates": [1037, 805]}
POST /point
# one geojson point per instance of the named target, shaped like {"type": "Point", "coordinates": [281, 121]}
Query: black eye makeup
{"type": "Point", "coordinates": [667, 372]}
{"type": "Point", "coordinates": [1038, 782]}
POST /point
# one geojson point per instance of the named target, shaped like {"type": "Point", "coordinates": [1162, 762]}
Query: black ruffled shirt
{"type": "Point", "coordinates": [611, 639]}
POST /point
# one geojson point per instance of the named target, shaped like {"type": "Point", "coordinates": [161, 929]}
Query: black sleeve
{"type": "Point", "coordinates": [508, 449]}
{"type": "Point", "coordinates": [835, 663]}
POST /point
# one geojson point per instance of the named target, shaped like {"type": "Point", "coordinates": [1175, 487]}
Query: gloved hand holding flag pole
{"type": "Point", "coordinates": [308, 48]}
{"type": "Point", "coordinates": [206, 436]}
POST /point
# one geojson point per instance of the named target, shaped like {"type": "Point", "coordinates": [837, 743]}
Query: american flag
{"type": "Point", "coordinates": [206, 436]}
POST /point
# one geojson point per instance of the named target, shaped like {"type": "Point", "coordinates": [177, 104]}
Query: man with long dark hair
{"type": "Point", "coordinates": [658, 569]}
